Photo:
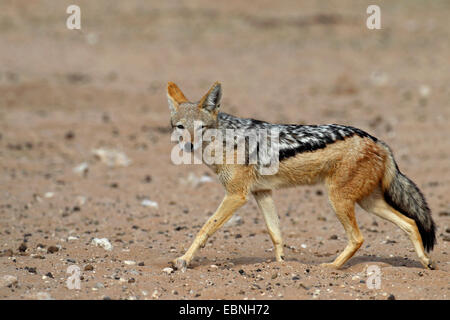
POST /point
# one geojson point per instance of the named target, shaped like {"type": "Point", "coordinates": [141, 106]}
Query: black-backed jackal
{"type": "Point", "coordinates": [354, 166]}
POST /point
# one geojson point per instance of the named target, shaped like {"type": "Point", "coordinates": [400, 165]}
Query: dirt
{"type": "Point", "coordinates": [65, 93]}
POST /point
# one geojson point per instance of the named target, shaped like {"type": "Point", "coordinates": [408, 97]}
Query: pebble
{"type": "Point", "coordinates": [424, 91]}
{"type": "Point", "coordinates": [22, 247]}
{"type": "Point", "coordinates": [111, 157]}
{"type": "Point", "coordinates": [196, 181]}
{"type": "Point", "coordinates": [82, 168]}
{"type": "Point", "coordinates": [52, 249]}
{"type": "Point", "coordinates": [43, 296]}
{"type": "Point", "coordinates": [149, 203]}
{"type": "Point", "coordinates": [155, 294]}
{"type": "Point", "coordinates": [49, 195]}
{"type": "Point", "coordinates": [8, 281]}
{"type": "Point", "coordinates": [103, 242]}
{"type": "Point", "coordinates": [391, 297]}
{"type": "Point", "coordinates": [31, 269]}
{"type": "Point", "coordinates": [316, 293]}
{"type": "Point", "coordinates": [6, 253]}
{"type": "Point", "coordinates": [130, 262]}
{"type": "Point", "coordinates": [89, 267]}
{"type": "Point", "coordinates": [168, 270]}
{"type": "Point", "coordinates": [99, 285]}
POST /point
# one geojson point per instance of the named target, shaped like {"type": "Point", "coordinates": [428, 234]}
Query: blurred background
{"type": "Point", "coordinates": [66, 94]}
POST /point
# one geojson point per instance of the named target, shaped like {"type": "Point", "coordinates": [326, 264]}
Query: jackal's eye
{"type": "Point", "coordinates": [180, 126]}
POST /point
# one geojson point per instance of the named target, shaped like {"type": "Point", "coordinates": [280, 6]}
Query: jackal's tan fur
{"type": "Point", "coordinates": [356, 169]}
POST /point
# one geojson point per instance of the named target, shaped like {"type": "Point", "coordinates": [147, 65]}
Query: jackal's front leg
{"type": "Point", "coordinates": [226, 209]}
{"type": "Point", "coordinates": [267, 207]}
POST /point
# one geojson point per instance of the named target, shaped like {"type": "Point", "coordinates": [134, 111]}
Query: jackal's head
{"type": "Point", "coordinates": [192, 116]}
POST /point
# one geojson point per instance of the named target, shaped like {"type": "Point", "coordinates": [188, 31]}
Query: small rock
{"type": "Point", "coordinates": [130, 262]}
{"type": "Point", "coordinates": [31, 269]}
{"type": "Point", "coordinates": [424, 91]}
{"type": "Point", "coordinates": [80, 200]}
{"type": "Point", "coordinates": [52, 249]}
{"type": "Point", "coordinates": [155, 294]}
{"type": "Point", "coordinates": [168, 270]}
{"type": "Point", "coordinates": [6, 253]}
{"type": "Point", "coordinates": [333, 237]}
{"type": "Point", "coordinates": [22, 247]}
{"type": "Point", "coordinates": [195, 181]}
{"type": "Point", "coordinates": [8, 281]}
{"type": "Point", "coordinates": [149, 203]}
{"type": "Point", "coordinates": [131, 280]}
{"type": "Point", "coordinates": [89, 267]}
{"type": "Point", "coordinates": [111, 157]}
{"type": "Point", "coordinates": [43, 296]}
{"type": "Point", "coordinates": [99, 285]}
{"type": "Point", "coordinates": [69, 135]}
{"type": "Point", "coordinates": [103, 242]}
{"type": "Point", "coordinates": [391, 297]}
{"type": "Point", "coordinates": [82, 168]}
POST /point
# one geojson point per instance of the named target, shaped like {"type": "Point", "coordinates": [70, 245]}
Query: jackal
{"type": "Point", "coordinates": [354, 166]}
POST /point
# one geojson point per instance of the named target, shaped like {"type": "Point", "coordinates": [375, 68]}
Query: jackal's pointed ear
{"type": "Point", "coordinates": [211, 100]}
{"type": "Point", "coordinates": [174, 96]}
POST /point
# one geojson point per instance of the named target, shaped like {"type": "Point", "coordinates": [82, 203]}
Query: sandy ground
{"type": "Point", "coordinates": [66, 93]}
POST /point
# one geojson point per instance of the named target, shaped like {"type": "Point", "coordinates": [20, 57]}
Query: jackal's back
{"type": "Point", "coordinates": [293, 138]}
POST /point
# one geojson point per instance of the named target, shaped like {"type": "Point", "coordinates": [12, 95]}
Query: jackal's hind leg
{"type": "Point", "coordinates": [376, 204]}
{"type": "Point", "coordinates": [345, 211]}
{"type": "Point", "coordinates": [267, 207]}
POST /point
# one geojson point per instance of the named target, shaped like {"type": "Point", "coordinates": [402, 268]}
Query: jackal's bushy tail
{"type": "Point", "coordinates": [404, 196]}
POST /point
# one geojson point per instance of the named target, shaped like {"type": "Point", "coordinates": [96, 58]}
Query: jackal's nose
{"type": "Point", "coordinates": [188, 147]}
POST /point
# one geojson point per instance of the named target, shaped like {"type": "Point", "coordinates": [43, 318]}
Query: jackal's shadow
{"type": "Point", "coordinates": [392, 261]}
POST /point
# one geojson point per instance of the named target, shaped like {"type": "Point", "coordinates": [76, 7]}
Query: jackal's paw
{"type": "Point", "coordinates": [179, 264]}
{"type": "Point", "coordinates": [328, 265]}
